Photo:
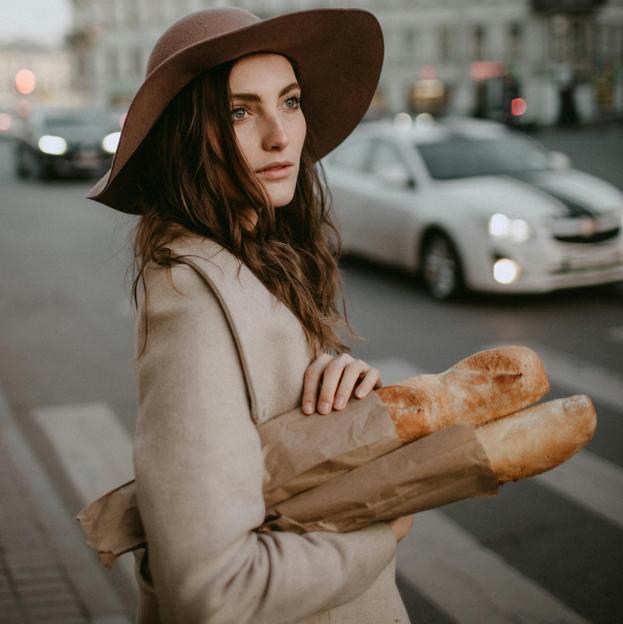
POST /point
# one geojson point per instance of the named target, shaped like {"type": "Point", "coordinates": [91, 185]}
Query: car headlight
{"type": "Point", "coordinates": [111, 141]}
{"type": "Point", "coordinates": [503, 227]}
{"type": "Point", "coordinates": [50, 144]}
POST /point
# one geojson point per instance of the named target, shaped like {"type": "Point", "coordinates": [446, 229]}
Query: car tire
{"type": "Point", "coordinates": [441, 267]}
{"type": "Point", "coordinates": [21, 169]}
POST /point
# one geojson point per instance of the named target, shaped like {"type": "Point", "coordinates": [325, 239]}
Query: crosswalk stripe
{"type": "Point", "coordinates": [588, 480]}
{"type": "Point", "coordinates": [95, 451]}
{"type": "Point", "coordinates": [469, 582]}
{"type": "Point", "coordinates": [462, 577]}
{"type": "Point", "coordinates": [92, 444]}
{"type": "Point", "coordinates": [592, 483]}
{"type": "Point", "coordinates": [569, 371]}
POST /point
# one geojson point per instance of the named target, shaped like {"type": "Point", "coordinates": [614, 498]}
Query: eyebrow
{"type": "Point", "coordinates": [254, 97]}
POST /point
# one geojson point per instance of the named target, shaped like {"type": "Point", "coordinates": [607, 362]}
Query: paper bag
{"type": "Point", "coordinates": [441, 468]}
{"type": "Point", "coordinates": [324, 472]}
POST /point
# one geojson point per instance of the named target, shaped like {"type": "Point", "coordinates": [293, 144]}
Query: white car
{"type": "Point", "coordinates": [472, 204]}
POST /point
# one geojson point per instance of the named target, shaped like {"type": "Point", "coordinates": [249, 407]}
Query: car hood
{"type": "Point", "coordinates": [567, 194]}
{"type": "Point", "coordinates": [583, 195]}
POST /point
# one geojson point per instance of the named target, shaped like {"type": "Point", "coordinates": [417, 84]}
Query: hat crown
{"type": "Point", "coordinates": [196, 27]}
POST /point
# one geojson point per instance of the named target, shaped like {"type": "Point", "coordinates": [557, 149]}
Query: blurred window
{"type": "Point", "coordinates": [137, 61]}
{"type": "Point", "coordinates": [131, 17]}
{"type": "Point", "coordinates": [444, 43]}
{"type": "Point", "coordinates": [353, 154]}
{"type": "Point", "coordinates": [409, 49]}
{"type": "Point", "coordinates": [464, 157]}
{"type": "Point", "coordinates": [515, 36]}
{"type": "Point", "coordinates": [478, 42]}
{"type": "Point", "coordinates": [112, 64]}
{"type": "Point", "coordinates": [387, 164]}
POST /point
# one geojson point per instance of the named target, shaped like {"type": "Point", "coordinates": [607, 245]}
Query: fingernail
{"type": "Point", "coordinates": [340, 402]}
{"type": "Point", "coordinates": [323, 406]}
{"type": "Point", "coordinates": [307, 407]}
{"type": "Point", "coordinates": [359, 392]}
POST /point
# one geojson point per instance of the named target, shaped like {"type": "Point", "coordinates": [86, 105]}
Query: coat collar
{"type": "Point", "coordinates": [246, 302]}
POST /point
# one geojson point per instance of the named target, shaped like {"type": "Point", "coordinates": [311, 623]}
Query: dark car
{"type": "Point", "coordinates": [66, 142]}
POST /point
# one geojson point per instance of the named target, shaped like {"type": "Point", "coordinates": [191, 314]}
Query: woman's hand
{"type": "Point", "coordinates": [401, 526]}
{"type": "Point", "coordinates": [331, 381]}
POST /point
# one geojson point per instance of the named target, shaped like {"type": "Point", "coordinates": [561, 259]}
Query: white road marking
{"type": "Point", "coordinates": [94, 447]}
{"type": "Point", "coordinates": [588, 480]}
{"type": "Point", "coordinates": [95, 451]}
{"type": "Point", "coordinates": [469, 582]}
{"type": "Point", "coordinates": [592, 483]}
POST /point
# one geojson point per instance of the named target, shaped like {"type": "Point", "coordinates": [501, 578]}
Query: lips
{"type": "Point", "coordinates": [277, 171]}
{"type": "Point", "coordinates": [277, 166]}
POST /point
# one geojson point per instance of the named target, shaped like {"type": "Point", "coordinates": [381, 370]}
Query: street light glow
{"type": "Point", "coordinates": [25, 81]}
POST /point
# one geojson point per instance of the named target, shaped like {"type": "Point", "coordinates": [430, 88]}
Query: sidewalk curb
{"type": "Point", "coordinates": [94, 589]}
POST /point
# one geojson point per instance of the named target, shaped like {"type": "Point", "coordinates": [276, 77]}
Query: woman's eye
{"type": "Point", "coordinates": [234, 111]}
{"type": "Point", "coordinates": [297, 99]}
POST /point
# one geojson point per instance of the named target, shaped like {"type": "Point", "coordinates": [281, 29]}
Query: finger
{"type": "Point", "coordinates": [370, 381]}
{"type": "Point", "coordinates": [311, 382]}
{"type": "Point", "coordinates": [330, 380]}
{"type": "Point", "coordinates": [355, 370]}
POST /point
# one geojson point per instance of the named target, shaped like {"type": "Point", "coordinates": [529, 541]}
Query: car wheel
{"type": "Point", "coordinates": [39, 170]}
{"type": "Point", "coordinates": [441, 267]}
{"type": "Point", "coordinates": [21, 169]}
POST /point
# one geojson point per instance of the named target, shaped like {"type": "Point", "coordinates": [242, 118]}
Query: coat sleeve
{"type": "Point", "coordinates": [198, 465]}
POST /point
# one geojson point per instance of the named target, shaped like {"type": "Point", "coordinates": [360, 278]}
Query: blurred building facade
{"type": "Point", "coordinates": [528, 61]}
{"type": "Point", "coordinates": [33, 74]}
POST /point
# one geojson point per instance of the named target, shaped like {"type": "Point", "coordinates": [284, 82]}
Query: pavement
{"type": "Point", "coordinates": [47, 573]}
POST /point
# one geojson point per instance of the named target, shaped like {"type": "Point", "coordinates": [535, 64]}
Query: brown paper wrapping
{"type": "Point", "coordinates": [442, 468]}
{"type": "Point", "coordinates": [301, 452]}
{"type": "Point", "coordinates": [112, 523]}
{"type": "Point", "coordinates": [338, 472]}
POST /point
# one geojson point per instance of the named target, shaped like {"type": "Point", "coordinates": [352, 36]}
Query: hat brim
{"type": "Point", "coordinates": [339, 53]}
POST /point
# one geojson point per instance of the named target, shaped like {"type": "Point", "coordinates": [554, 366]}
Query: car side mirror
{"type": "Point", "coordinates": [396, 176]}
{"type": "Point", "coordinates": [559, 161]}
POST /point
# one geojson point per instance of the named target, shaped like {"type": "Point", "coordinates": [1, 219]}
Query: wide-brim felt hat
{"type": "Point", "coordinates": [338, 54]}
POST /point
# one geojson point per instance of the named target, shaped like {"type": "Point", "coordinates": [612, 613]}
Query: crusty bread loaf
{"type": "Point", "coordinates": [482, 387]}
{"type": "Point", "coordinates": [538, 438]}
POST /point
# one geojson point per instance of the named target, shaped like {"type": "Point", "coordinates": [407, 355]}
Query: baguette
{"type": "Point", "coordinates": [480, 388]}
{"type": "Point", "coordinates": [538, 438]}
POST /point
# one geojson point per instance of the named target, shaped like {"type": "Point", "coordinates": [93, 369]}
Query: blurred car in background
{"type": "Point", "coordinates": [66, 142]}
{"type": "Point", "coordinates": [472, 204]}
{"type": "Point", "coordinates": [8, 123]}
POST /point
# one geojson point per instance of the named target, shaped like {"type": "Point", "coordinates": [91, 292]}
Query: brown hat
{"type": "Point", "coordinates": [339, 53]}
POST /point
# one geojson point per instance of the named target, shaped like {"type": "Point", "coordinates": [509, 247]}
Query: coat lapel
{"type": "Point", "coordinates": [251, 311]}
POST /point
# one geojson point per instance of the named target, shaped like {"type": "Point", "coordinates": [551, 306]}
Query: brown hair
{"type": "Point", "coordinates": [194, 178]}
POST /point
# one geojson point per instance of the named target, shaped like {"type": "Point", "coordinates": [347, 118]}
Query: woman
{"type": "Point", "coordinates": [237, 323]}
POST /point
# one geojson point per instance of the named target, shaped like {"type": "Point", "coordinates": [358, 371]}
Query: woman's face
{"type": "Point", "coordinates": [268, 120]}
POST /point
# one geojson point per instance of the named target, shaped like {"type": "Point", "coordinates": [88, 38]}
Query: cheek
{"type": "Point", "coordinates": [301, 132]}
{"type": "Point", "coordinates": [243, 140]}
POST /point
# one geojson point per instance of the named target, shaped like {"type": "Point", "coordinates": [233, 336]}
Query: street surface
{"type": "Point", "coordinates": [544, 550]}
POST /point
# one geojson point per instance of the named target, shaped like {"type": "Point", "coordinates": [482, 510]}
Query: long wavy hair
{"type": "Point", "coordinates": [193, 178]}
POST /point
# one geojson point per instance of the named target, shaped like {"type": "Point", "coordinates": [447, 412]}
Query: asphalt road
{"type": "Point", "coordinates": [66, 336]}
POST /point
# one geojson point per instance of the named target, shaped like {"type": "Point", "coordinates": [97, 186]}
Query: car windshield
{"type": "Point", "coordinates": [76, 120]}
{"type": "Point", "coordinates": [464, 157]}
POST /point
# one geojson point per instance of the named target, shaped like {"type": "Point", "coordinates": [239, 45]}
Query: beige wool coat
{"type": "Point", "coordinates": [224, 356]}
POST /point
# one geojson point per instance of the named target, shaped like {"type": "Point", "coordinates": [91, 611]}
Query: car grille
{"type": "Point", "coordinates": [597, 237]}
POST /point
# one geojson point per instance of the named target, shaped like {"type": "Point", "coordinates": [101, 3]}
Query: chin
{"type": "Point", "coordinates": [283, 198]}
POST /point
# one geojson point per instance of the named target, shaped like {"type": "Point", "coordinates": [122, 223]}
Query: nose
{"type": "Point", "coordinates": [274, 135]}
